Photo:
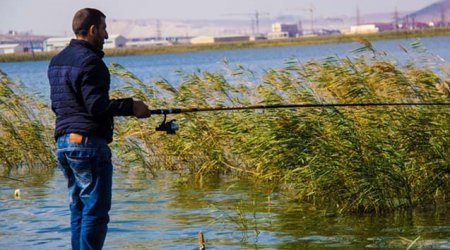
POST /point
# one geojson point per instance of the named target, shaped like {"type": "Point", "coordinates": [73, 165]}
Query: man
{"type": "Point", "coordinates": [79, 85]}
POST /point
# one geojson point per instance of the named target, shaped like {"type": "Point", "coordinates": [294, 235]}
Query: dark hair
{"type": "Point", "coordinates": [84, 19]}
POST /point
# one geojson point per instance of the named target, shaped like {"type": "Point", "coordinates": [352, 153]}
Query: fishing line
{"type": "Point", "coordinates": [305, 105]}
{"type": "Point", "coordinates": [170, 127]}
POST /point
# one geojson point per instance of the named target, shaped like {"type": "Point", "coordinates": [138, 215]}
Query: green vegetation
{"type": "Point", "coordinates": [373, 159]}
{"type": "Point", "coordinates": [38, 56]}
{"type": "Point", "coordinates": [358, 159]}
{"type": "Point", "coordinates": [181, 48]}
{"type": "Point", "coordinates": [26, 140]}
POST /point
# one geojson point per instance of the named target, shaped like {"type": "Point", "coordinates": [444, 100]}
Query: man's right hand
{"type": "Point", "coordinates": [140, 109]}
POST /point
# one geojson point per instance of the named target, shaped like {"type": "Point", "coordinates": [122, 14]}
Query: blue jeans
{"type": "Point", "coordinates": [86, 164]}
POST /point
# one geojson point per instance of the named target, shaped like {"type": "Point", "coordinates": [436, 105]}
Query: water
{"type": "Point", "coordinates": [151, 67]}
{"type": "Point", "coordinates": [160, 213]}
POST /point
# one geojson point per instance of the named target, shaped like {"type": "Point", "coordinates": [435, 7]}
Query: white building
{"type": "Point", "coordinates": [11, 48]}
{"type": "Point", "coordinates": [56, 43]}
{"type": "Point", "coordinates": [115, 41]}
{"type": "Point", "coordinates": [277, 35]}
{"type": "Point", "coordinates": [202, 39]}
{"type": "Point", "coordinates": [220, 39]}
{"type": "Point", "coordinates": [143, 43]}
{"type": "Point", "coordinates": [364, 29]}
{"type": "Point", "coordinates": [59, 43]}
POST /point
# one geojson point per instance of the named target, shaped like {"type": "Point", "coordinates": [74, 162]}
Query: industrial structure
{"type": "Point", "coordinates": [56, 43]}
{"type": "Point", "coordinates": [59, 43]}
{"type": "Point", "coordinates": [27, 42]}
{"type": "Point", "coordinates": [11, 48]}
{"type": "Point", "coordinates": [221, 39]}
{"type": "Point", "coordinates": [281, 30]}
{"type": "Point", "coordinates": [115, 41]}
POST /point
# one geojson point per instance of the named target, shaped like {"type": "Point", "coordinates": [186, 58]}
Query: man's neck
{"type": "Point", "coordinates": [85, 38]}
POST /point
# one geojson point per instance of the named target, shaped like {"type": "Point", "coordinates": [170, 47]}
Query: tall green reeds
{"type": "Point", "coordinates": [358, 159]}
{"type": "Point", "coordinates": [26, 140]}
{"type": "Point", "coordinates": [347, 159]}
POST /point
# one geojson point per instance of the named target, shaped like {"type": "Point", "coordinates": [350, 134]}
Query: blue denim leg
{"type": "Point", "coordinates": [88, 170]}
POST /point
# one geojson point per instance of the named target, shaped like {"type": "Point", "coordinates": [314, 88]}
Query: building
{"type": "Point", "coordinates": [202, 39]}
{"type": "Point", "coordinates": [231, 39]}
{"type": "Point", "coordinates": [137, 42]}
{"type": "Point", "coordinates": [11, 48]}
{"type": "Point", "coordinates": [59, 43]}
{"type": "Point", "coordinates": [56, 43]}
{"type": "Point", "coordinates": [29, 42]}
{"type": "Point", "coordinates": [221, 39]}
{"type": "Point", "coordinates": [281, 30]}
{"type": "Point", "coordinates": [115, 41]}
{"type": "Point", "coordinates": [363, 29]}
{"type": "Point", "coordinates": [385, 26]}
{"type": "Point", "coordinates": [291, 29]}
{"type": "Point", "coordinates": [277, 35]}
{"type": "Point", "coordinates": [412, 25]}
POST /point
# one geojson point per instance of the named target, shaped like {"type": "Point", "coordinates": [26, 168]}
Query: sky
{"type": "Point", "coordinates": [54, 17]}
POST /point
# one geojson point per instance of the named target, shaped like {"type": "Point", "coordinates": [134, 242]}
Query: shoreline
{"type": "Point", "coordinates": [183, 48]}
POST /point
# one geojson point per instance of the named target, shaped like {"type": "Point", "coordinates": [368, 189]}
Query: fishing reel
{"type": "Point", "coordinates": [170, 127]}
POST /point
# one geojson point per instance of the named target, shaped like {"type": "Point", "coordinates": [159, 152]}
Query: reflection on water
{"type": "Point", "coordinates": [163, 213]}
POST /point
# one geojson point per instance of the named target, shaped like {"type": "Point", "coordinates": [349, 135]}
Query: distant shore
{"type": "Point", "coordinates": [181, 48]}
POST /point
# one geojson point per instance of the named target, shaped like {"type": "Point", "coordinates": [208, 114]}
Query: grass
{"type": "Point", "coordinates": [343, 160]}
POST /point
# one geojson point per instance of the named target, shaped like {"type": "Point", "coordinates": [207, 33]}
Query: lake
{"type": "Point", "coordinates": [165, 212]}
{"type": "Point", "coordinates": [33, 74]}
{"type": "Point", "coordinates": [161, 213]}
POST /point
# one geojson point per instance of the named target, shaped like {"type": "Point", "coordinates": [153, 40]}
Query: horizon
{"type": "Point", "coordinates": [36, 17]}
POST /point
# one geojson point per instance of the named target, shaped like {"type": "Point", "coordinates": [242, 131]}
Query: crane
{"type": "Point", "coordinates": [255, 16]}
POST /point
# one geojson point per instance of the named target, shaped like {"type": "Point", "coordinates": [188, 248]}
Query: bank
{"type": "Point", "coordinates": [182, 48]}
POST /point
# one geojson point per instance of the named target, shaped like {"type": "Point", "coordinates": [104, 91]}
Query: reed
{"type": "Point", "coordinates": [371, 159]}
{"type": "Point", "coordinates": [25, 133]}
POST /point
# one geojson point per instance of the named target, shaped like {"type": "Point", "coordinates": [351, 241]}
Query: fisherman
{"type": "Point", "coordinates": [79, 85]}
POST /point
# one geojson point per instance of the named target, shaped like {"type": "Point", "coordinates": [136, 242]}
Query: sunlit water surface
{"type": "Point", "coordinates": [163, 213]}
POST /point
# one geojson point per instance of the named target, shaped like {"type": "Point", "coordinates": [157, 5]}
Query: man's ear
{"type": "Point", "coordinates": [92, 30]}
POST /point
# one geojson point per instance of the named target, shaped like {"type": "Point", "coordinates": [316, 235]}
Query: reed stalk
{"type": "Point", "coordinates": [359, 159]}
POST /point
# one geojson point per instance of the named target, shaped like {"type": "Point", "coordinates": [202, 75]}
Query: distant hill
{"type": "Point", "coordinates": [438, 12]}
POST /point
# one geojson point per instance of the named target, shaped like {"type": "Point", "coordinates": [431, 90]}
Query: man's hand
{"type": "Point", "coordinates": [140, 109]}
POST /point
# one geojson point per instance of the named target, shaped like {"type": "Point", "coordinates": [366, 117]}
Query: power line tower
{"type": "Point", "coordinates": [257, 16]}
{"type": "Point", "coordinates": [396, 19]}
{"type": "Point", "coordinates": [254, 19]}
{"type": "Point", "coordinates": [311, 16]}
{"type": "Point", "coordinates": [300, 27]}
{"type": "Point", "coordinates": [158, 30]}
{"type": "Point", "coordinates": [358, 16]}
{"type": "Point", "coordinates": [443, 16]}
{"type": "Point", "coordinates": [310, 10]}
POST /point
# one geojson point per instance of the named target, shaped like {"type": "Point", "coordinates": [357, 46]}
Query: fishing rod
{"type": "Point", "coordinates": [170, 127]}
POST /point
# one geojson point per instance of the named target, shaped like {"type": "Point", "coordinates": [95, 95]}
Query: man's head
{"type": "Point", "coordinates": [89, 25]}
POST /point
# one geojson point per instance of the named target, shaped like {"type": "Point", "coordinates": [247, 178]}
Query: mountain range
{"type": "Point", "coordinates": [438, 12]}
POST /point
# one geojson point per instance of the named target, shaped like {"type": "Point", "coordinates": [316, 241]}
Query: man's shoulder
{"type": "Point", "coordinates": [74, 55]}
